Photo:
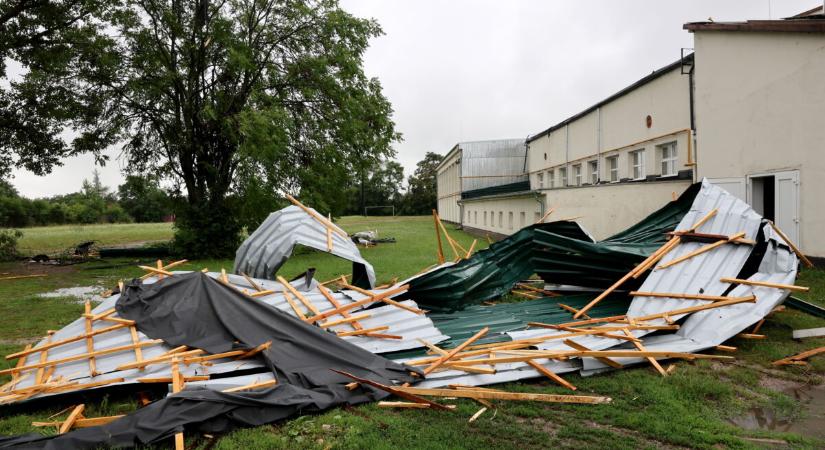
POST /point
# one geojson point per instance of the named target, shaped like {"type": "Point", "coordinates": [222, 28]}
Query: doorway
{"type": "Point", "coordinates": [776, 197]}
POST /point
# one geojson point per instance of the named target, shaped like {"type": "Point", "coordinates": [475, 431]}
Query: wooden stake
{"type": "Point", "coordinates": [438, 239]}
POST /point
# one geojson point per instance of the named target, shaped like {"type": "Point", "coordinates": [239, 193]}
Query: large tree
{"type": "Point", "coordinates": [224, 97]}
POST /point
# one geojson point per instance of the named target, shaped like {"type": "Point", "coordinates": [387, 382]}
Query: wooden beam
{"type": "Point", "coordinates": [551, 375]}
{"type": "Point", "coordinates": [799, 356]}
{"type": "Point", "coordinates": [607, 361]}
{"type": "Point", "coordinates": [54, 344]}
{"type": "Point", "coordinates": [791, 245]}
{"type": "Point", "coordinates": [293, 304]}
{"type": "Point", "coordinates": [44, 356]}
{"type": "Point", "coordinates": [156, 271]}
{"type": "Point", "coordinates": [704, 219]}
{"type": "Point", "coordinates": [691, 309]}
{"type": "Point", "coordinates": [650, 359]}
{"type": "Point", "coordinates": [160, 359]}
{"type": "Point", "coordinates": [73, 416]}
{"type": "Point", "coordinates": [712, 298]}
{"type": "Point", "coordinates": [450, 241]}
{"type": "Point", "coordinates": [252, 282]}
{"type": "Point", "coordinates": [90, 343]}
{"type": "Point", "coordinates": [488, 394]}
{"type": "Point", "coordinates": [408, 405]}
{"type": "Point", "coordinates": [546, 215]}
{"type": "Point", "coordinates": [398, 392]}
{"type": "Point", "coordinates": [470, 251]}
{"type": "Point", "coordinates": [298, 294]}
{"type": "Point", "coordinates": [789, 287]}
{"type": "Point", "coordinates": [345, 320]}
{"type": "Point", "coordinates": [364, 331]}
{"type": "Point", "coordinates": [177, 386]}
{"type": "Point", "coordinates": [454, 351]}
{"type": "Point", "coordinates": [102, 352]}
{"type": "Point", "coordinates": [253, 386]}
{"type": "Point", "coordinates": [323, 220]}
{"type": "Point", "coordinates": [657, 256]}
{"type": "Point", "coordinates": [18, 277]}
{"type": "Point", "coordinates": [385, 299]}
{"type": "Point", "coordinates": [440, 249]}
{"type": "Point", "coordinates": [84, 422]}
{"type": "Point", "coordinates": [700, 251]}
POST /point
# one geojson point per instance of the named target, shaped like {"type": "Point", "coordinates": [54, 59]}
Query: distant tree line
{"type": "Point", "coordinates": [138, 199]}
{"type": "Point", "coordinates": [143, 199]}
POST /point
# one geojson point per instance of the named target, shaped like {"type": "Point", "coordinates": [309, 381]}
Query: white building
{"type": "Point", "coordinates": [746, 110]}
{"type": "Point", "coordinates": [473, 169]}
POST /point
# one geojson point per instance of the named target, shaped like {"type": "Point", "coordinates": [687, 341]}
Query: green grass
{"type": "Point", "coordinates": [37, 240]}
{"type": "Point", "coordinates": [690, 408]}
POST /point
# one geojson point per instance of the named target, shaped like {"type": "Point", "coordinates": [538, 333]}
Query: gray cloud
{"type": "Point", "coordinates": [470, 70]}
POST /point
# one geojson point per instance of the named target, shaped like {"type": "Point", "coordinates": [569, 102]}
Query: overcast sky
{"type": "Point", "coordinates": [463, 70]}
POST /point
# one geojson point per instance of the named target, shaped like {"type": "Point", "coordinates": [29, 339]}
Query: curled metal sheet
{"type": "Point", "coordinates": [272, 243]}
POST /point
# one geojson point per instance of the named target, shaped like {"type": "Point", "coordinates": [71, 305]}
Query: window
{"type": "Point", "coordinates": [500, 219]}
{"type": "Point", "coordinates": [637, 164]}
{"type": "Point", "coordinates": [562, 176]}
{"type": "Point", "coordinates": [485, 218]}
{"type": "Point", "coordinates": [550, 178]}
{"type": "Point", "coordinates": [577, 175]}
{"type": "Point", "coordinates": [541, 180]}
{"type": "Point", "coordinates": [536, 217]}
{"type": "Point", "coordinates": [669, 157]}
{"type": "Point", "coordinates": [613, 169]}
{"type": "Point", "coordinates": [594, 171]}
{"type": "Point", "coordinates": [522, 220]}
{"type": "Point", "coordinates": [510, 220]}
{"type": "Point", "coordinates": [475, 217]}
{"type": "Point", "coordinates": [468, 216]}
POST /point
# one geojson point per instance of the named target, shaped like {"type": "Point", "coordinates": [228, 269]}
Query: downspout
{"type": "Point", "coordinates": [599, 145]}
{"type": "Point", "coordinates": [567, 155]}
{"type": "Point", "coordinates": [692, 135]}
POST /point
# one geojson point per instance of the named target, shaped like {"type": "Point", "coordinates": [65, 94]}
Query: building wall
{"type": "Point", "coordinates": [616, 129]}
{"type": "Point", "coordinates": [524, 210]}
{"type": "Point", "coordinates": [607, 209]}
{"type": "Point", "coordinates": [760, 108]}
{"type": "Point", "coordinates": [448, 186]}
{"type": "Point", "coordinates": [602, 210]}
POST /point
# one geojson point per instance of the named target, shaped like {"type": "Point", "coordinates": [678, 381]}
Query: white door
{"type": "Point", "coordinates": [786, 186]}
{"type": "Point", "coordinates": [735, 186]}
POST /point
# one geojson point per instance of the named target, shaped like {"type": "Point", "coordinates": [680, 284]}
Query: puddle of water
{"type": "Point", "coordinates": [81, 293]}
{"type": "Point", "coordinates": [812, 403]}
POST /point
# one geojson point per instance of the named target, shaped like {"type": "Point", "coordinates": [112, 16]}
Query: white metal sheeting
{"type": "Point", "coordinates": [408, 325]}
{"type": "Point", "coordinates": [272, 243]}
{"type": "Point", "coordinates": [492, 163]}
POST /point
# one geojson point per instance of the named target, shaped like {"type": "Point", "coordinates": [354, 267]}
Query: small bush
{"type": "Point", "coordinates": [8, 244]}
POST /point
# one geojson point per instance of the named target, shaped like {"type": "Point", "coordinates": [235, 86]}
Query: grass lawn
{"type": "Point", "coordinates": [37, 240]}
{"type": "Point", "coordinates": [690, 408]}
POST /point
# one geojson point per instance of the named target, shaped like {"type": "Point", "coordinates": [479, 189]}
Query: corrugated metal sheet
{"type": "Point", "coordinates": [408, 325]}
{"type": "Point", "coordinates": [492, 163]}
{"type": "Point", "coordinates": [271, 244]}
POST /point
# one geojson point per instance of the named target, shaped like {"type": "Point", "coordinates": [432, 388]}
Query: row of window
{"type": "Point", "coordinates": [558, 177]}
{"type": "Point", "coordinates": [472, 218]}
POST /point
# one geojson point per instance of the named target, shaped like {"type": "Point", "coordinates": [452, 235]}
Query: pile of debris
{"type": "Point", "coordinates": [251, 347]}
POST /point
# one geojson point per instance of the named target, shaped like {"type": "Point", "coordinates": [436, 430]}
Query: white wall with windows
{"type": "Point", "coordinates": [507, 214]}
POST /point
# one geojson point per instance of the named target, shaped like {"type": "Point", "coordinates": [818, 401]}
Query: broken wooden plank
{"type": "Point", "coordinates": [353, 305]}
{"type": "Point", "coordinates": [253, 386]}
{"type": "Point", "coordinates": [398, 392]}
{"type": "Point", "coordinates": [488, 394]}
{"type": "Point", "coordinates": [808, 333]}
{"type": "Point", "coordinates": [552, 375]}
{"type": "Point", "coordinates": [73, 416]}
{"type": "Point", "coordinates": [791, 245]}
{"type": "Point", "coordinates": [651, 360]}
{"type": "Point", "coordinates": [701, 250]}
{"type": "Point", "coordinates": [712, 298]}
{"type": "Point", "coordinates": [608, 361]}
{"type": "Point", "coordinates": [102, 352]}
{"type": "Point", "coordinates": [323, 220]}
{"type": "Point", "coordinates": [64, 341]}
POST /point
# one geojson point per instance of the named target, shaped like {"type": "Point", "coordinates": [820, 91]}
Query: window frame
{"type": "Point", "coordinates": [672, 160]}
{"type": "Point", "coordinates": [613, 167]}
{"type": "Point", "coordinates": [594, 171]}
{"type": "Point", "coordinates": [563, 176]}
{"type": "Point", "coordinates": [641, 164]}
{"type": "Point", "coordinates": [577, 175]}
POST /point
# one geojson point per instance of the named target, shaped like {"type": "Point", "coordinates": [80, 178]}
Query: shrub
{"type": "Point", "coordinates": [8, 244]}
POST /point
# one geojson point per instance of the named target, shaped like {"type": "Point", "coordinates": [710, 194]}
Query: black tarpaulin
{"type": "Point", "coordinates": [197, 311]}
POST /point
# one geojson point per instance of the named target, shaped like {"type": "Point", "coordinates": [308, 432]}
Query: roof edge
{"type": "Point", "coordinates": [800, 25]}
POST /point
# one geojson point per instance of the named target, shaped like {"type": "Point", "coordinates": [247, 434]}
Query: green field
{"type": "Point", "coordinates": [48, 240]}
{"type": "Point", "coordinates": [691, 408]}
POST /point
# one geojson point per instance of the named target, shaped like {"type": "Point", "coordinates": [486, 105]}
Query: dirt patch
{"type": "Point", "coordinates": [551, 428]}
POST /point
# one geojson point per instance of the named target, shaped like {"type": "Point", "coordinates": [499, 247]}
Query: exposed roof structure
{"type": "Point", "coordinates": [272, 243]}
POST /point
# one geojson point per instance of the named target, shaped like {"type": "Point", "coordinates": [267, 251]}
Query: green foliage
{"type": "Point", "coordinates": [142, 198]}
{"type": "Point", "coordinates": [216, 96]}
{"type": "Point", "coordinates": [210, 230]}
{"type": "Point", "coordinates": [421, 196]}
{"type": "Point", "coordinates": [8, 244]}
